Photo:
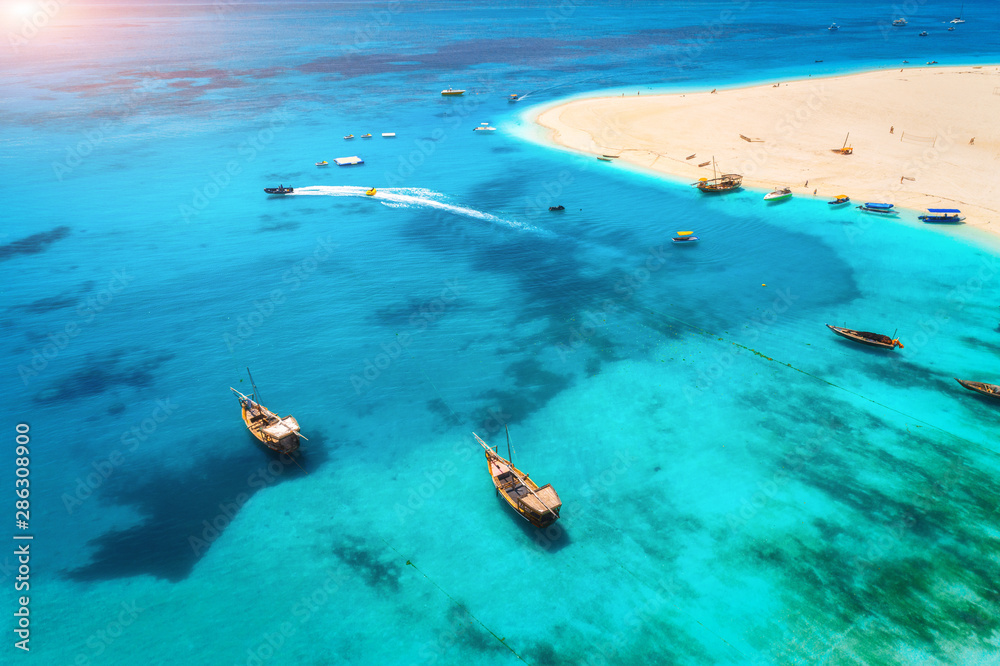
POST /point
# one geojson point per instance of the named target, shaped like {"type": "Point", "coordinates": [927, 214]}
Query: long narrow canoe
{"type": "Point", "coordinates": [991, 390]}
{"type": "Point", "coordinates": [867, 337]}
{"type": "Point", "coordinates": [539, 506]}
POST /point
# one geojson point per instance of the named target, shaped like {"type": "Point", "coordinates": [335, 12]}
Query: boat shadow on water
{"type": "Point", "coordinates": [186, 511]}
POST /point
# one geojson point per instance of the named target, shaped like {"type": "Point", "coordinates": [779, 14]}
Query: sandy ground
{"type": "Point", "coordinates": [910, 131]}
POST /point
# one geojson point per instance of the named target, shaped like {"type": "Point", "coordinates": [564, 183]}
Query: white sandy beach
{"type": "Point", "coordinates": [926, 161]}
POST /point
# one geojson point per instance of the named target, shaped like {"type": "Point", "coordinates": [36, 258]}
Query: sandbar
{"type": "Point", "coordinates": [925, 137]}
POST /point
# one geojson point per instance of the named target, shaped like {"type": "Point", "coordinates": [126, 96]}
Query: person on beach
{"type": "Point", "coordinates": [972, 140]}
{"type": "Point", "coordinates": [891, 128]}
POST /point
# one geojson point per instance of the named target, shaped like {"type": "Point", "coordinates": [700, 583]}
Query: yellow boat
{"type": "Point", "coordinates": [371, 192]}
{"type": "Point", "coordinates": [539, 506]}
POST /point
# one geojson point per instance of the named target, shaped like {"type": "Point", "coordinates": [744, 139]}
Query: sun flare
{"type": "Point", "coordinates": [20, 9]}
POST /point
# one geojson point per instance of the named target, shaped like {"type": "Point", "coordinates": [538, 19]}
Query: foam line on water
{"type": "Point", "coordinates": [405, 197]}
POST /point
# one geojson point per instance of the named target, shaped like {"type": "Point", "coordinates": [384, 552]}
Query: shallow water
{"type": "Point", "coordinates": [739, 485]}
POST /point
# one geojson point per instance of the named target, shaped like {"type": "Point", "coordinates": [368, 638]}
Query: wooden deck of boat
{"type": "Point", "coordinates": [546, 494]}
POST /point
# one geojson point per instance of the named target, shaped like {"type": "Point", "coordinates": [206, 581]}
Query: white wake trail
{"type": "Point", "coordinates": [407, 197]}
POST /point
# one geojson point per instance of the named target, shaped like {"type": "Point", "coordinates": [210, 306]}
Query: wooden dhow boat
{"type": "Point", "coordinates": [991, 390]}
{"type": "Point", "coordinates": [867, 337]}
{"type": "Point", "coordinates": [539, 506]}
{"type": "Point", "coordinates": [727, 182]}
{"type": "Point", "coordinates": [279, 434]}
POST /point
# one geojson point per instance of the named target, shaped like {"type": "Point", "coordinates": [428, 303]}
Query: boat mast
{"type": "Point", "coordinates": [256, 398]}
{"type": "Point", "coordinates": [510, 456]}
{"type": "Point", "coordinates": [845, 142]}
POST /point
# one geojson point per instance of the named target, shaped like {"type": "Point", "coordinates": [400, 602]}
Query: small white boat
{"type": "Point", "coordinates": [685, 237]}
{"type": "Point", "coordinates": [484, 127]}
{"type": "Point", "coordinates": [388, 135]}
{"type": "Point", "coordinates": [834, 26]}
{"type": "Point", "coordinates": [899, 21]}
{"type": "Point", "coordinates": [322, 164]}
{"type": "Point", "coordinates": [778, 194]}
{"type": "Point", "coordinates": [451, 92]}
{"type": "Point", "coordinates": [349, 161]}
{"type": "Point", "coordinates": [349, 136]}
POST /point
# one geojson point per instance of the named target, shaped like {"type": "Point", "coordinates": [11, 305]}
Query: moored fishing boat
{"type": "Point", "coordinates": [277, 433]}
{"type": "Point", "coordinates": [539, 506]}
{"type": "Point", "coordinates": [779, 194]}
{"type": "Point", "coordinates": [943, 215]}
{"type": "Point", "coordinates": [880, 208]}
{"type": "Point", "coordinates": [867, 337]}
{"type": "Point", "coordinates": [280, 189]}
{"type": "Point", "coordinates": [991, 390]}
{"type": "Point", "coordinates": [839, 200]}
{"type": "Point", "coordinates": [727, 182]}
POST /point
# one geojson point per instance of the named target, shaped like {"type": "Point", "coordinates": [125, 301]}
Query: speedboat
{"type": "Point", "coordinates": [371, 192]}
{"type": "Point", "coordinates": [840, 200]}
{"type": "Point", "coordinates": [280, 189]}
{"type": "Point", "coordinates": [451, 92]}
{"type": "Point", "coordinates": [881, 208]}
{"type": "Point", "coordinates": [899, 21]}
{"type": "Point", "coordinates": [778, 194]}
{"type": "Point", "coordinates": [945, 215]}
{"type": "Point", "coordinates": [484, 127]}
{"type": "Point", "coordinates": [366, 136]}
{"type": "Point", "coordinates": [834, 26]}
{"type": "Point", "coordinates": [323, 163]}
{"type": "Point", "coordinates": [923, 34]}
{"type": "Point", "coordinates": [513, 98]}
{"type": "Point", "coordinates": [685, 237]}
{"type": "Point", "coordinates": [349, 136]}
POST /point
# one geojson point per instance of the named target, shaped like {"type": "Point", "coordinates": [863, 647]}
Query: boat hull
{"type": "Point", "coordinates": [991, 390]}
{"type": "Point", "coordinates": [538, 505]}
{"type": "Point", "coordinates": [255, 425]}
{"type": "Point", "coordinates": [942, 219]}
{"type": "Point", "coordinates": [865, 337]}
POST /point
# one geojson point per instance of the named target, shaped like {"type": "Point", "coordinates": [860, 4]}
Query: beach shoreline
{"type": "Point", "coordinates": [921, 137]}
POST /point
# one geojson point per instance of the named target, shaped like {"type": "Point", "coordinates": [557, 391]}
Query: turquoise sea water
{"type": "Point", "coordinates": [739, 485]}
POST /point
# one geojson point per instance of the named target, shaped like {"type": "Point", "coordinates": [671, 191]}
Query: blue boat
{"type": "Point", "coordinates": [881, 208]}
{"type": "Point", "coordinates": [947, 215]}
